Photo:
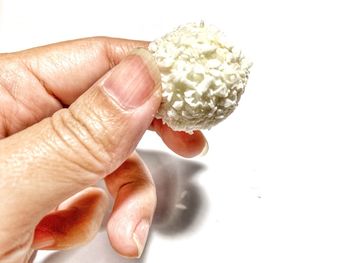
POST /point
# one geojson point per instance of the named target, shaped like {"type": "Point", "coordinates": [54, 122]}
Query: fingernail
{"type": "Point", "coordinates": [43, 240]}
{"type": "Point", "coordinates": [140, 236]}
{"type": "Point", "coordinates": [205, 149]}
{"type": "Point", "coordinates": [133, 81]}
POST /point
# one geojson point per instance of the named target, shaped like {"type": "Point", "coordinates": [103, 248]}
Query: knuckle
{"type": "Point", "coordinates": [82, 141]}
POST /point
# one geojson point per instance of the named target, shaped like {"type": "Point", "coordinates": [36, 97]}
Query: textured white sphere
{"type": "Point", "coordinates": [203, 77]}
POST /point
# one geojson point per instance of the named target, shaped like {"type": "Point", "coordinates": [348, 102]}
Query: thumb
{"type": "Point", "coordinates": [61, 155]}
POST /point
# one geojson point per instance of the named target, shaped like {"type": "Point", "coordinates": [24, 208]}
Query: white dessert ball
{"type": "Point", "coordinates": [203, 77]}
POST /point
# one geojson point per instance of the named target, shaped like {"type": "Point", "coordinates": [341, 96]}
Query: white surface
{"type": "Point", "coordinates": [275, 185]}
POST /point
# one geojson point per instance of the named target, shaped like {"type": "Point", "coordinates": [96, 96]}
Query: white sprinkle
{"type": "Point", "coordinates": [178, 104]}
{"type": "Point", "coordinates": [213, 63]}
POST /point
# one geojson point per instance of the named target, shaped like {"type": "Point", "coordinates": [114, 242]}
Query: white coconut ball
{"type": "Point", "coordinates": [203, 77]}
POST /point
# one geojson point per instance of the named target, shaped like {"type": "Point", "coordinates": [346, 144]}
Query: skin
{"type": "Point", "coordinates": [61, 132]}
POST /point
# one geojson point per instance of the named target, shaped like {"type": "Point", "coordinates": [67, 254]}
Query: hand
{"type": "Point", "coordinates": [71, 114]}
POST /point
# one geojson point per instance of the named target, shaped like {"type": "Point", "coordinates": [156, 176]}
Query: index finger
{"type": "Point", "coordinates": [68, 69]}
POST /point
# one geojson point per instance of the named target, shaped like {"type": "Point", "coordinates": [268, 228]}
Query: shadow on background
{"type": "Point", "coordinates": [180, 205]}
{"type": "Point", "coordinates": [180, 200]}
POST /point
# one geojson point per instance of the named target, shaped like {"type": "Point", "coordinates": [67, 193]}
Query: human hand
{"type": "Point", "coordinates": [71, 114]}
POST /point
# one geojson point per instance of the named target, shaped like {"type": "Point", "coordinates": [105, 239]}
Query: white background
{"type": "Point", "coordinates": [274, 186]}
